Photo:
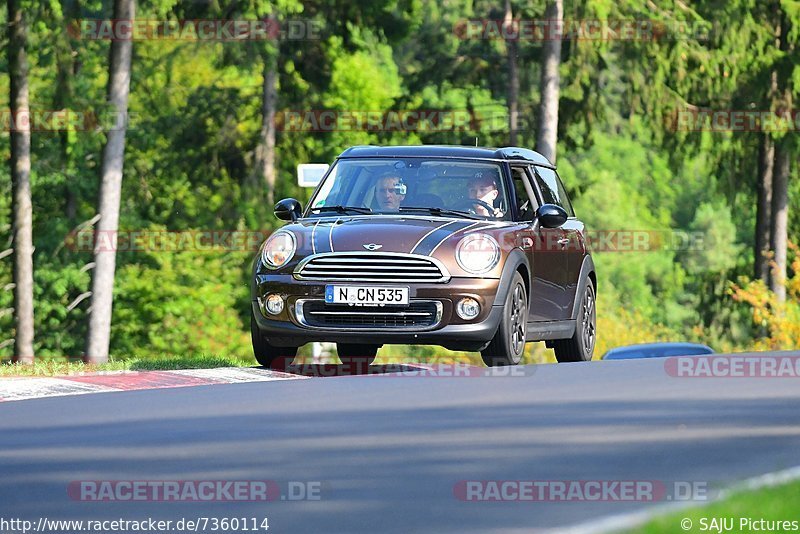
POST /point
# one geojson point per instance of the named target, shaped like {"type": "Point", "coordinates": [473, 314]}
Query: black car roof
{"type": "Point", "coordinates": [447, 151]}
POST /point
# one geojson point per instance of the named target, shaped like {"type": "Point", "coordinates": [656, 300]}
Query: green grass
{"type": "Point", "coordinates": [58, 367]}
{"type": "Point", "coordinates": [778, 503]}
{"type": "Point", "coordinates": [138, 363]}
{"type": "Point", "coordinates": [189, 362]}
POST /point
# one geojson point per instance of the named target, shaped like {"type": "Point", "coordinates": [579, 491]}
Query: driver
{"type": "Point", "coordinates": [390, 192]}
{"type": "Point", "coordinates": [483, 186]}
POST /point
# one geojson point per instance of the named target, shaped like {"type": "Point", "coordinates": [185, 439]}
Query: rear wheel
{"type": "Point", "coordinates": [266, 354]}
{"type": "Point", "coordinates": [508, 343]}
{"type": "Point", "coordinates": [580, 347]}
{"type": "Point", "coordinates": [357, 354]}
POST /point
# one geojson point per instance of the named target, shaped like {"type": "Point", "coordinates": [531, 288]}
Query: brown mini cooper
{"type": "Point", "coordinates": [474, 249]}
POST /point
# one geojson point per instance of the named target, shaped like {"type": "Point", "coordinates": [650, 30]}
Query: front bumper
{"type": "Point", "coordinates": [287, 329]}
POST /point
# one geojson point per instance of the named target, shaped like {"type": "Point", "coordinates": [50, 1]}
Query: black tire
{"type": "Point", "coordinates": [580, 347]}
{"type": "Point", "coordinates": [268, 355]}
{"type": "Point", "coordinates": [355, 354]}
{"type": "Point", "coordinates": [508, 343]}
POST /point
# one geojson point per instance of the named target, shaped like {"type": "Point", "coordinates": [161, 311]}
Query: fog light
{"type": "Point", "coordinates": [274, 304]}
{"type": "Point", "coordinates": [468, 308]}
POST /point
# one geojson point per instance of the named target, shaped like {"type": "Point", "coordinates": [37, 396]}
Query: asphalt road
{"type": "Point", "coordinates": [388, 451]}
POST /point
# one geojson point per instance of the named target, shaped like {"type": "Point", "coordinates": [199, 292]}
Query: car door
{"type": "Point", "coordinates": [576, 246]}
{"type": "Point", "coordinates": [547, 268]}
{"type": "Point", "coordinates": [571, 245]}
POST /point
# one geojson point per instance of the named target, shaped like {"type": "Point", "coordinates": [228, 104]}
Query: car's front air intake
{"type": "Point", "coordinates": [419, 314]}
{"type": "Point", "coordinates": [371, 267]}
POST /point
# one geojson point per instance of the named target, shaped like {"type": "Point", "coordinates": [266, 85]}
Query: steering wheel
{"type": "Point", "coordinates": [470, 203]}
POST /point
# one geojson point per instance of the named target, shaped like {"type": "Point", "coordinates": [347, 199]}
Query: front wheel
{"type": "Point", "coordinates": [580, 347]}
{"type": "Point", "coordinates": [266, 354]}
{"type": "Point", "coordinates": [508, 343]}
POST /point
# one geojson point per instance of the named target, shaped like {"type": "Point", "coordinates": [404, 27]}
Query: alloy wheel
{"type": "Point", "coordinates": [518, 319]}
{"type": "Point", "coordinates": [588, 320]}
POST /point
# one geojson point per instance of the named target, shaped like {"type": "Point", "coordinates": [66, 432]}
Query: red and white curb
{"type": "Point", "coordinates": [13, 389]}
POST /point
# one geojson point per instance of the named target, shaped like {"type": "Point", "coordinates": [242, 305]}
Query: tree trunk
{"type": "Point", "coordinates": [65, 66]}
{"type": "Point", "coordinates": [779, 231]}
{"type": "Point", "coordinates": [551, 60]}
{"type": "Point", "coordinates": [22, 211]}
{"type": "Point", "coordinates": [108, 204]}
{"type": "Point", "coordinates": [780, 217]}
{"type": "Point", "coordinates": [766, 160]}
{"type": "Point", "coordinates": [265, 160]}
{"type": "Point", "coordinates": [513, 76]}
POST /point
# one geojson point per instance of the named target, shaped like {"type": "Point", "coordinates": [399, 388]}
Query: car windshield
{"type": "Point", "coordinates": [447, 187]}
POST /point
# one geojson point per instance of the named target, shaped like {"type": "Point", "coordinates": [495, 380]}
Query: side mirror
{"type": "Point", "coordinates": [288, 209]}
{"type": "Point", "coordinates": [551, 216]}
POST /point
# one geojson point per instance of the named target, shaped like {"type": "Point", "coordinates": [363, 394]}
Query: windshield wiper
{"type": "Point", "coordinates": [442, 211]}
{"type": "Point", "coordinates": [343, 209]}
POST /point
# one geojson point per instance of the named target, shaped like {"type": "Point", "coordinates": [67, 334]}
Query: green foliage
{"type": "Point", "coordinates": [182, 302]}
{"type": "Point", "coordinates": [622, 186]}
{"type": "Point", "coordinates": [718, 251]}
{"type": "Point", "coordinates": [61, 330]}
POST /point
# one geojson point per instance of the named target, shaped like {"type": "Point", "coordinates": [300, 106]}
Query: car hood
{"type": "Point", "coordinates": [404, 234]}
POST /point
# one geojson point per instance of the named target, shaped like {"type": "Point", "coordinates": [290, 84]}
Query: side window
{"type": "Point", "coordinates": [562, 194]}
{"type": "Point", "coordinates": [526, 200]}
{"type": "Point", "coordinates": [553, 191]}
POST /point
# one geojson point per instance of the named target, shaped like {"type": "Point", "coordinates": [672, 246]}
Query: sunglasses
{"type": "Point", "coordinates": [399, 189]}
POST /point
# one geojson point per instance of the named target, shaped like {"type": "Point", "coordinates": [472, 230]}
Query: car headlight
{"type": "Point", "coordinates": [477, 253]}
{"type": "Point", "coordinates": [278, 249]}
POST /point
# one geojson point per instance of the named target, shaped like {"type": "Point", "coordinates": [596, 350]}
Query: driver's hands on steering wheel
{"type": "Point", "coordinates": [470, 204]}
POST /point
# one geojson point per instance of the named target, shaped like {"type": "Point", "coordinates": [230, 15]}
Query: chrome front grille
{"type": "Point", "coordinates": [421, 314]}
{"type": "Point", "coordinates": [371, 267]}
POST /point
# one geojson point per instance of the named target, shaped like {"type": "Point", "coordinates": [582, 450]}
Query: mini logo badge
{"type": "Point", "coordinates": [373, 246]}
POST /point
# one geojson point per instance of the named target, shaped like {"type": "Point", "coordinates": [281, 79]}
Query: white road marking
{"type": "Point", "coordinates": [633, 520]}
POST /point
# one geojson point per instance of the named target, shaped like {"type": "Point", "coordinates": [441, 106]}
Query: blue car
{"type": "Point", "coordinates": [657, 350]}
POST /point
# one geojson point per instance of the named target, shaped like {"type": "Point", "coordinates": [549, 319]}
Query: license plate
{"type": "Point", "coordinates": [366, 295]}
